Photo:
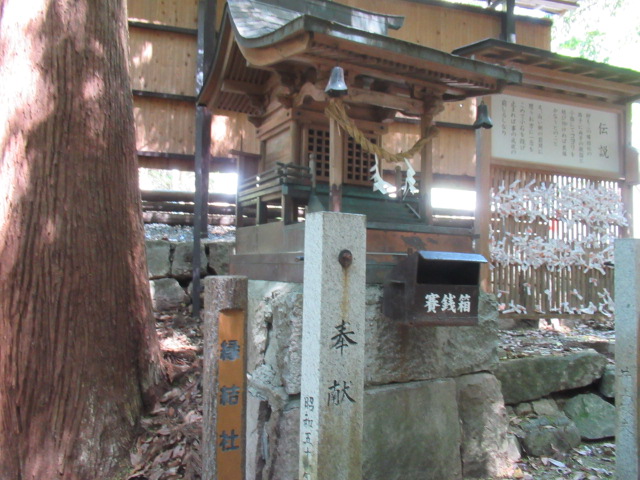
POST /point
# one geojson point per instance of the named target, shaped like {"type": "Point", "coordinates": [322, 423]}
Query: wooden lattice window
{"type": "Point", "coordinates": [357, 162]}
{"type": "Point", "coordinates": [318, 146]}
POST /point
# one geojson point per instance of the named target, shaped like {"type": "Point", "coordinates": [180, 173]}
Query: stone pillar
{"type": "Point", "coordinates": [332, 386]}
{"type": "Point", "coordinates": [627, 286]}
{"type": "Point", "coordinates": [224, 378]}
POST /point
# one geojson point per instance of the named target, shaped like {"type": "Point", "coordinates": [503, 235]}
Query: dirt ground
{"type": "Point", "coordinates": [169, 446]}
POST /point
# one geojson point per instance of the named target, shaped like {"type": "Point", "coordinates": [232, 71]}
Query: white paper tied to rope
{"type": "Point", "coordinates": [514, 308]}
{"type": "Point", "coordinates": [589, 310]}
{"type": "Point", "coordinates": [410, 182]}
{"type": "Point", "coordinates": [379, 183]}
{"type": "Point", "coordinates": [387, 188]}
{"type": "Point", "coordinates": [606, 306]}
{"type": "Point", "coordinates": [590, 213]}
{"type": "Point", "coordinates": [595, 207]}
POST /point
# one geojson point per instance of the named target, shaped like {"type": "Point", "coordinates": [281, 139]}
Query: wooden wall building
{"type": "Point", "coordinates": [163, 53]}
{"type": "Point", "coordinates": [164, 75]}
{"type": "Point", "coordinates": [182, 57]}
{"type": "Point", "coordinates": [450, 27]}
{"type": "Point", "coordinates": [561, 151]}
{"type": "Point", "coordinates": [166, 78]}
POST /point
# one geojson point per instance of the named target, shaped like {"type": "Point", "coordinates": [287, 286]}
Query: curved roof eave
{"type": "Point", "coordinates": [617, 84]}
{"type": "Point", "coordinates": [309, 24]}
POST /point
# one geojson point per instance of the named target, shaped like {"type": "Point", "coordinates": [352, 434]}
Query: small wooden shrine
{"type": "Point", "coordinates": [273, 62]}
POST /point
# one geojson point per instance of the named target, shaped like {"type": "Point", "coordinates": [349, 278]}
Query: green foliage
{"type": "Point", "coordinates": [601, 30]}
{"type": "Point", "coordinates": [604, 31]}
{"type": "Point", "coordinates": [590, 46]}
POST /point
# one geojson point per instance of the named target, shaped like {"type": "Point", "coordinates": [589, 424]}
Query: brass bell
{"type": "Point", "coordinates": [483, 120]}
{"type": "Point", "coordinates": [336, 86]}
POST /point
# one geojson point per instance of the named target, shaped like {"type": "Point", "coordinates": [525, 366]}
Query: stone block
{"type": "Point", "coordinates": [545, 406]}
{"type": "Point", "coordinates": [548, 435]}
{"type": "Point", "coordinates": [594, 417]}
{"type": "Point", "coordinates": [333, 343]}
{"type": "Point", "coordinates": [218, 256]}
{"type": "Point", "coordinates": [275, 325]}
{"type": "Point", "coordinates": [287, 338]}
{"type": "Point", "coordinates": [167, 294]}
{"type": "Point", "coordinates": [514, 453]}
{"type": "Point", "coordinates": [266, 404]}
{"type": "Point", "coordinates": [486, 448]}
{"type": "Point", "coordinates": [260, 319]}
{"type": "Point", "coordinates": [181, 267]}
{"type": "Point", "coordinates": [254, 413]}
{"type": "Point", "coordinates": [523, 409]}
{"type": "Point", "coordinates": [285, 451]}
{"type": "Point", "coordinates": [158, 258]}
{"type": "Point", "coordinates": [411, 432]}
{"type": "Point", "coordinates": [264, 383]}
{"type": "Point", "coordinates": [531, 378]}
{"type": "Point", "coordinates": [607, 387]}
{"type": "Point", "coordinates": [394, 352]}
{"type": "Point", "coordinates": [189, 290]}
{"type": "Point", "coordinates": [275, 319]}
{"type": "Point", "coordinates": [398, 352]}
{"type": "Point", "coordinates": [222, 294]}
{"type": "Point", "coordinates": [274, 439]}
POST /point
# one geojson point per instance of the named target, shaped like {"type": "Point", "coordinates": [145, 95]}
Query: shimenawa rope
{"type": "Point", "coordinates": [336, 111]}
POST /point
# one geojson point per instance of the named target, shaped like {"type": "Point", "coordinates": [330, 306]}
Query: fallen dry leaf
{"type": "Point", "coordinates": [557, 463]}
{"type": "Point", "coordinates": [169, 447]}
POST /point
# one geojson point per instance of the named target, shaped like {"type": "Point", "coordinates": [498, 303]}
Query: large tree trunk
{"type": "Point", "coordinates": [78, 351]}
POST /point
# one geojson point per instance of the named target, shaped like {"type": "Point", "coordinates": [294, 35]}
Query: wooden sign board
{"type": "Point", "coordinates": [447, 305]}
{"type": "Point", "coordinates": [231, 395]}
{"type": "Point", "coordinates": [555, 134]}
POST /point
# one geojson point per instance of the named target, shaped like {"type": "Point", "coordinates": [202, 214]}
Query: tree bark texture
{"type": "Point", "coordinates": [78, 352]}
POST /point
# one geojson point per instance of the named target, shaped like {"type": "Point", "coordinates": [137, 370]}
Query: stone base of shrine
{"type": "Point", "coordinates": [432, 409]}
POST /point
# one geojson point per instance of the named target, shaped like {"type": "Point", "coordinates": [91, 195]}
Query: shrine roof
{"type": "Point", "coordinates": [545, 70]}
{"type": "Point", "coordinates": [258, 37]}
{"type": "Point", "coordinates": [548, 6]}
{"type": "Point", "coordinates": [255, 19]}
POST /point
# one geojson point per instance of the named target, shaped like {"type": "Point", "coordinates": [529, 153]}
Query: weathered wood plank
{"type": "Point", "coordinates": [185, 218]}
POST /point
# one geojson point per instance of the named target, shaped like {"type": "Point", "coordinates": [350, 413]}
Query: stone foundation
{"type": "Point", "coordinates": [432, 410]}
{"type": "Point", "coordinates": [170, 268]}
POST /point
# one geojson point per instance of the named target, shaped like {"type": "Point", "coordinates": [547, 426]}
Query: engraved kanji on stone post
{"type": "Point", "coordinates": [224, 378]}
{"type": "Point", "coordinates": [332, 388]}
